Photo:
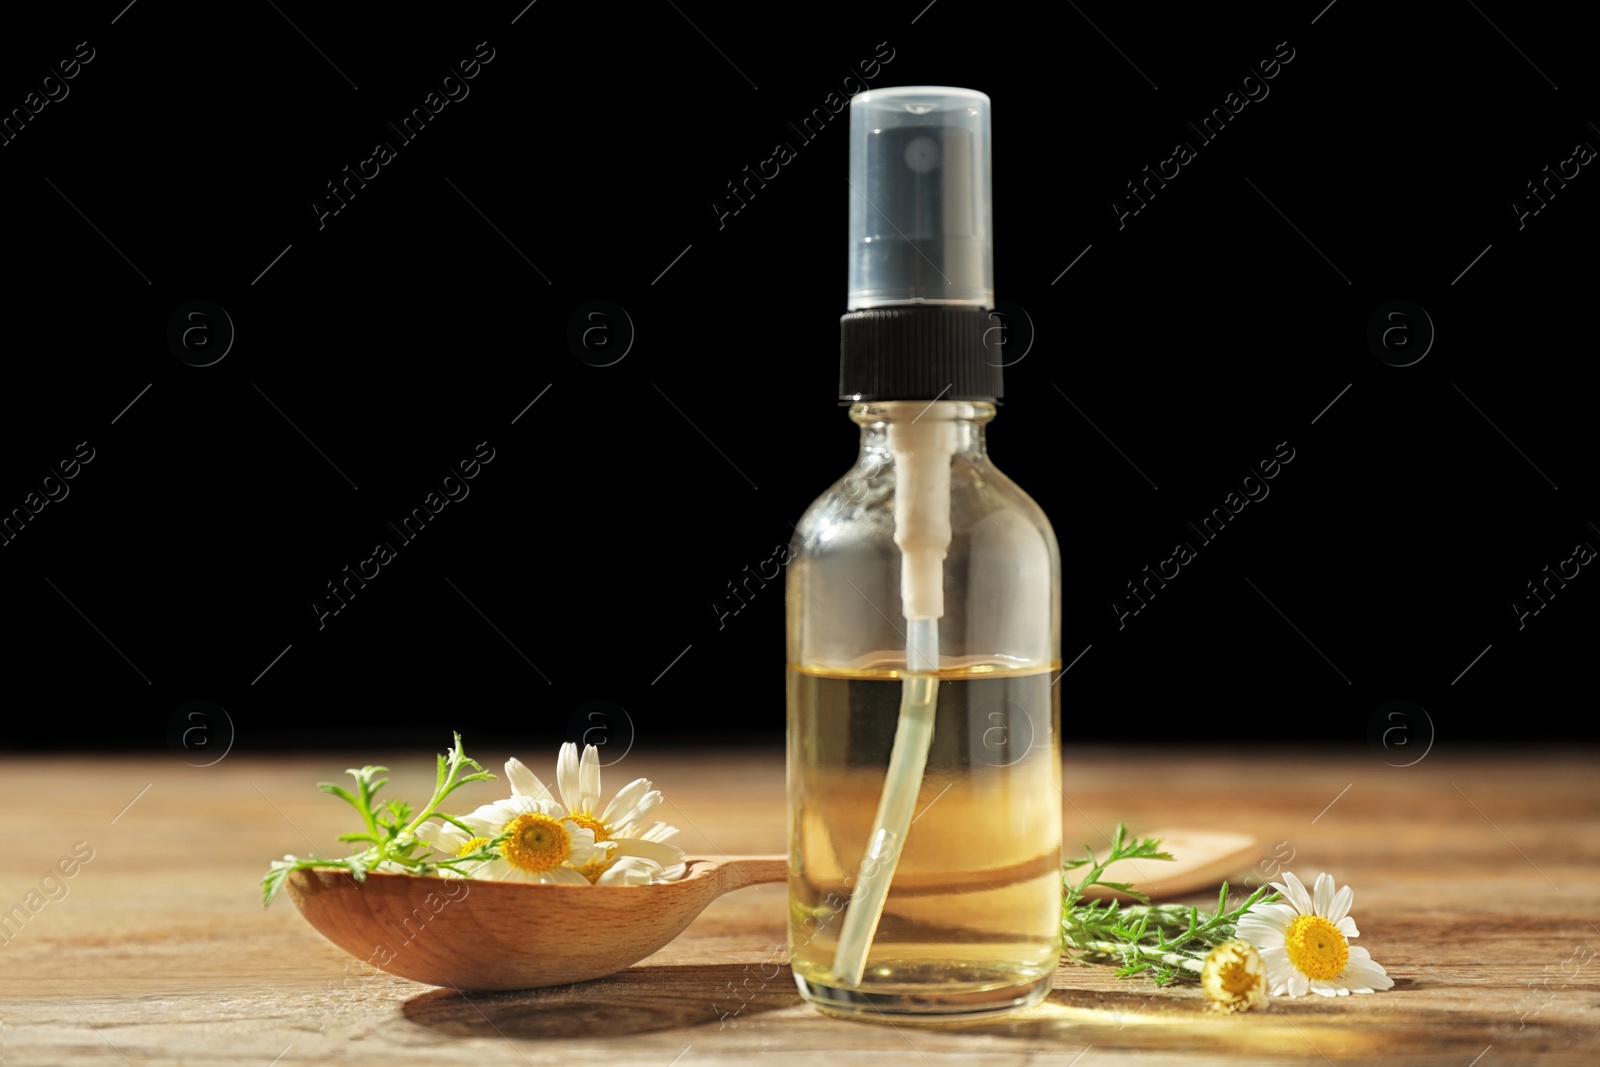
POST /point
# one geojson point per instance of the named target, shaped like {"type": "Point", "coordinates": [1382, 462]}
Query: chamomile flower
{"type": "Point", "coordinates": [638, 852]}
{"type": "Point", "coordinates": [544, 846]}
{"type": "Point", "coordinates": [1233, 977]}
{"type": "Point", "coordinates": [1305, 942]}
{"type": "Point", "coordinates": [452, 840]}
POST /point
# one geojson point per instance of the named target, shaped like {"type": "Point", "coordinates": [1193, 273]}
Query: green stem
{"type": "Point", "coordinates": [445, 783]}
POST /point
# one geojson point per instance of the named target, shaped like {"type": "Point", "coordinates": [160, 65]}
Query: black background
{"type": "Point", "coordinates": [375, 350]}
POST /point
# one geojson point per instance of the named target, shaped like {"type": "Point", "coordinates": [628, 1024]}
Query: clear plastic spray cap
{"type": "Point", "coordinates": [921, 230]}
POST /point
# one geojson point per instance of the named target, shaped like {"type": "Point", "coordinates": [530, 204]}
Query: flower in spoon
{"type": "Point", "coordinates": [527, 837]}
{"type": "Point", "coordinates": [537, 843]}
{"type": "Point", "coordinates": [638, 852]}
{"type": "Point", "coordinates": [571, 841]}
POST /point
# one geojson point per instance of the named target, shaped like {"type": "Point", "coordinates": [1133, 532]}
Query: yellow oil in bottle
{"type": "Point", "coordinates": [972, 922]}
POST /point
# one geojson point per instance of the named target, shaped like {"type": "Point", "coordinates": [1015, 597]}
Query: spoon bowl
{"type": "Point", "coordinates": [470, 934]}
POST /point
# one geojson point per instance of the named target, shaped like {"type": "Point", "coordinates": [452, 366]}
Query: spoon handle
{"type": "Point", "coordinates": [736, 872]}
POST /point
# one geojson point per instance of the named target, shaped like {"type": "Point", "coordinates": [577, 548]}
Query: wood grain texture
{"type": "Point", "coordinates": [1476, 879]}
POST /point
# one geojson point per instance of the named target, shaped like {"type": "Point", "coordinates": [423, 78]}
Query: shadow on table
{"type": "Point", "coordinates": [637, 1001]}
{"type": "Point", "coordinates": [649, 999]}
{"type": "Point", "coordinates": [645, 1000]}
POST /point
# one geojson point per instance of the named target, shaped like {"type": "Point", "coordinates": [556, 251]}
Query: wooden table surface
{"type": "Point", "coordinates": [1475, 878]}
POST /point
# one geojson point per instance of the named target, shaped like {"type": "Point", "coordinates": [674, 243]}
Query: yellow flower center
{"type": "Point", "coordinates": [537, 843]}
{"type": "Point", "coordinates": [1236, 978]}
{"type": "Point", "coordinates": [1233, 977]}
{"type": "Point", "coordinates": [472, 846]}
{"type": "Point", "coordinates": [1316, 947]}
{"type": "Point", "coordinates": [586, 821]}
{"type": "Point", "coordinates": [595, 868]}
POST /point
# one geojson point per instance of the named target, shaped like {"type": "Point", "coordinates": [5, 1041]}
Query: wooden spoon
{"type": "Point", "coordinates": [1201, 859]}
{"type": "Point", "coordinates": [472, 934]}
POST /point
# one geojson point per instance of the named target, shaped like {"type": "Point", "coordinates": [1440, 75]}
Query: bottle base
{"type": "Point", "coordinates": [945, 1002]}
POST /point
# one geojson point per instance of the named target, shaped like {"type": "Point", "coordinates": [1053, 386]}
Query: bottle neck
{"type": "Point", "coordinates": [966, 419]}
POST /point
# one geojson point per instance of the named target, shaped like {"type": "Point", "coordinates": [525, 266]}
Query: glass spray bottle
{"type": "Point", "coordinates": [924, 611]}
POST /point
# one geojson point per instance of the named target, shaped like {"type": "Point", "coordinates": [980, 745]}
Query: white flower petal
{"type": "Point", "coordinates": [583, 857]}
{"type": "Point", "coordinates": [441, 837]}
{"type": "Point", "coordinates": [1340, 906]}
{"type": "Point", "coordinates": [1296, 894]}
{"type": "Point", "coordinates": [567, 777]}
{"type": "Point", "coordinates": [1298, 984]}
{"type": "Point", "coordinates": [1258, 934]}
{"type": "Point", "coordinates": [490, 819]}
{"type": "Point", "coordinates": [480, 826]}
{"type": "Point", "coordinates": [524, 783]}
{"type": "Point", "coordinates": [562, 876]}
{"type": "Point", "coordinates": [629, 871]}
{"type": "Point", "coordinates": [581, 847]}
{"type": "Point", "coordinates": [1347, 927]}
{"type": "Point", "coordinates": [589, 778]}
{"type": "Point", "coordinates": [1322, 896]}
{"type": "Point", "coordinates": [651, 801]}
{"type": "Point", "coordinates": [624, 807]}
{"type": "Point", "coordinates": [1367, 973]}
{"type": "Point", "coordinates": [1278, 968]}
{"type": "Point", "coordinates": [653, 851]}
{"type": "Point", "coordinates": [1263, 930]}
{"type": "Point", "coordinates": [1278, 914]}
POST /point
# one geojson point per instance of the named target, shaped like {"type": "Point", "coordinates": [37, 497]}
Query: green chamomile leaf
{"type": "Point", "coordinates": [390, 827]}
